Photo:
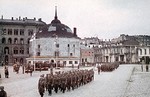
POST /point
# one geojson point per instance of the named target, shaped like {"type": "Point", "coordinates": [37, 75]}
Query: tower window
{"type": "Point", "coordinates": [71, 54]}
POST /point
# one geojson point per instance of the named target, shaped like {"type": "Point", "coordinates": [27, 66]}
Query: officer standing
{"type": "Point", "coordinates": [6, 72]}
{"type": "Point", "coordinates": [2, 92]}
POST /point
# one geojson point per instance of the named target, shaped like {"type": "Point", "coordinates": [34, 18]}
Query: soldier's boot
{"type": "Point", "coordinates": [72, 87]}
{"type": "Point", "coordinates": [41, 94]}
{"type": "Point", "coordinates": [68, 88]}
{"type": "Point", "coordinates": [56, 89]}
{"type": "Point", "coordinates": [63, 90]}
{"type": "Point", "coordinates": [50, 91]}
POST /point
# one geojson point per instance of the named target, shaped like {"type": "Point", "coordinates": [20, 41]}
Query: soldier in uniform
{"type": "Point", "coordinates": [6, 72]}
{"type": "Point", "coordinates": [41, 85]}
{"type": "Point", "coordinates": [56, 83]}
{"type": "Point", "coordinates": [99, 69]}
{"type": "Point", "coordinates": [63, 83]}
{"type": "Point", "coordinates": [2, 92]}
{"type": "Point", "coordinates": [68, 82]}
{"type": "Point", "coordinates": [50, 84]}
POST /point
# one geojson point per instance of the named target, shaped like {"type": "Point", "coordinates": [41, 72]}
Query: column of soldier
{"type": "Point", "coordinates": [64, 81]}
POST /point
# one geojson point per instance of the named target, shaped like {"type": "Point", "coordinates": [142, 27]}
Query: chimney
{"type": "Point", "coordinates": [23, 19]}
{"type": "Point", "coordinates": [19, 18]}
{"type": "Point", "coordinates": [40, 19]}
{"type": "Point", "coordinates": [75, 31]}
{"type": "Point", "coordinates": [12, 18]}
{"type": "Point", "coordinates": [34, 18]}
{"type": "Point", "coordinates": [2, 17]}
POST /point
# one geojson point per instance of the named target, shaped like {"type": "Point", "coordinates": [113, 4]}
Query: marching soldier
{"type": "Point", "coordinates": [68, 82]}
{"type": "Point", "coordinates": [65, 80]}
{"type": "Point", "coordinates": [63, 84]}
{"type": "Point", "coordinates": [56, 83]}
{"type": "Point", "coordinates": [41, 85]}
{"type": "Point", "coordinates": [50, 84]}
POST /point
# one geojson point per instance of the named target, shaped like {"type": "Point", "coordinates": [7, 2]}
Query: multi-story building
{"type": "Point", "coordinates": [87, 56]}
{"type": "Point", "coordinates": [14, 38]}
{"type": "Point", "coordinates": [57, 43]}
{"type": "Point", "coordinates": [143, 39]}
{"type": "Point", "coordinates": [123, 49]}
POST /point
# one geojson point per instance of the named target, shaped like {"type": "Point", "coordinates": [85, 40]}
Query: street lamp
{"type": "Point", "coordinates": [33, 39]}
{"type": "Point", "coordinates": [56, 48]}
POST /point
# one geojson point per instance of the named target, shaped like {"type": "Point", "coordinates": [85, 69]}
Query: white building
{"type": "Point", "coordinates": [143, 51]}
{"type": "Point", "coordinates": [55, 43]}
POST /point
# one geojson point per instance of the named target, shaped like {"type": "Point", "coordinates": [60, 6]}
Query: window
{"type": "Point", "coordinates": [28, 41]}
{"type": "Point", "coordinates": [27, 50]}
{"type": "Point", "coordinates": [22, 50]}
{"type": "Point", "coordinates": [82, 60]}
{"type": "Point", "coordinates": [4, 31]}
{"type": "Point", "coordinates": [15, 31]}
{"type": "Point", "coordinates": [85, 59]}
{"type": "Point", "coordinates": [21, 31]}
{"type": "Point", "coordinates": [38, 49]}
{"type": "Point", "coordinates": [3, 40]}
{"type": "Point", "coordinates": [145, 52]}
{"type": "Point", "coordinates": [140, 51]}
{"type": "Point", "coordinates": [38, 46]}
{"type": "Point", "coordinates": [57, 45]}
{"type": "Point", "coordinates": [76, 62]}
{"type": "Point", "coordinates": [15, 41]}
{"type": "Point", "coordinates": [71, 54]}
{"type": "Point", "coordinates": [68, 45]}
{"type": "Point", "coordinates": [38, 54]}
{"type": "Point", "coordinates": [64, 62]}
{"type": "Point", "coordinates": [70, 62]}
{"type": "Point", "coordinates": [9, 31]}
{"type": "Point", "coordinates": [15, 50]}
{"type": "Point", "coordinates": [56, 53]}
{"type": "Point", "coordinates": [21, 41]}
{"type": "Point", "coordinates": [30, 32]}
{"type": "Point", "coordinates": [6, 50]}
{"type": "Point", "coordinates": [9, 40]}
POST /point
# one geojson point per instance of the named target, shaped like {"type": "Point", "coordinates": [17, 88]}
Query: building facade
{"type": "Point", "coordinates": [14, 38]}
{"type": "Point", "coordinates": [87, 56]}
{"type": "Point", "coordinates": [124, 49]}
{"type": "Point", "coordinates": [57, 43]}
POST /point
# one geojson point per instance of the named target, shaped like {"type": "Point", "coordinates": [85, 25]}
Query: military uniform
{"type": "Point", "coordinates": [41, 85]}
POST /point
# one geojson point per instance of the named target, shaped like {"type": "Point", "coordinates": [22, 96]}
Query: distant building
{"type": "Point", "coordinates": [87, 56]}
{"type": "Point", "coordinates": [57, 43]}
{"type": "Point", "coordinates": [14, 38]}
{"type": "Point", "coordinates": [143, 39]}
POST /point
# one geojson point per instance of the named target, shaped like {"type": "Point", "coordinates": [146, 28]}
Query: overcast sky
{"type": "Point", "coordinates": [105, 19]}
